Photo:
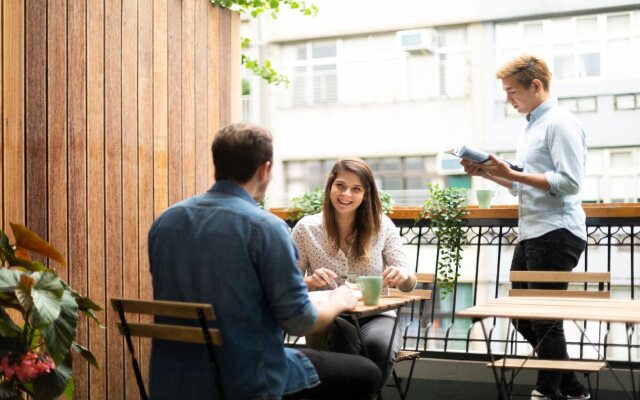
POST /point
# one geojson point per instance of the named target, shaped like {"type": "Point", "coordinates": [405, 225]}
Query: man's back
{"type": "Point", "coordinates": [219, 248]}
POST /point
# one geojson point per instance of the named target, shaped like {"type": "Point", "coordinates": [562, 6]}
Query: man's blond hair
{"type": "Point", "coordinates": [525, 68]}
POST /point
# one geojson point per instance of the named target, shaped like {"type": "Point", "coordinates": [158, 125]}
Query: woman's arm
{"type": "Point", "coordinates": [397, 272]}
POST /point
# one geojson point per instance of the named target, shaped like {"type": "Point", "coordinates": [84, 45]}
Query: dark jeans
{"type": "Point", "coordinates": [342, 376]}
{"type": "Point", "coordinates": [341, 336]}
{"type": "Point", "coordinates": [557, 250]}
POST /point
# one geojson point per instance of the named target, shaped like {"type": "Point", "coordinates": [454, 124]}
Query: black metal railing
{"type": "Point", "coordinates": [612, 245]}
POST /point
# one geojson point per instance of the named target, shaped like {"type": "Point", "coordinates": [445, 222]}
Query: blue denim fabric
{"type": "Point", "coordinates": [220, 248]}
{"type": "Point", "coordinates": [553, 144]}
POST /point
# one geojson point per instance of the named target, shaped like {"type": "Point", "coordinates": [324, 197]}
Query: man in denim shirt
{"type": "Point", "coordinates": [220, 248]}
{"type": "Point", "coordinates": [551, 226]}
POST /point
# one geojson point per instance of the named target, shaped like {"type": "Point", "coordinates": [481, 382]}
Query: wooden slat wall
{"type": "Point", "coordinates": [109, 108]}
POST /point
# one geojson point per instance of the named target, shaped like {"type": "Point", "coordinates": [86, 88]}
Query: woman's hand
{"type": "Point", "coordinates": [321, 277]}
{"type": "Point", "coordinates": [397, 277]}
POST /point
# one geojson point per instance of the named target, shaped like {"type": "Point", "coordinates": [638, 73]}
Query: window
{"type": "Point", "coordinates": [581, 47]}
{"type": "Point", "coordinates": [627, 101]}
{"type": "Point", "coordinates": [315, 74]}
{"type": "Point", "coordinates": [453, 68]}
{"type": "Point", "coordinates": [579, 104]}
{"type": "Point", "coordinates": [612, 175]}
{"type": "Point", "coordinates": [391, 173]}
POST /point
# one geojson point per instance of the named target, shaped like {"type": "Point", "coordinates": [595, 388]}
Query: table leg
{"type": "Point", "coordinates": [502, 392]}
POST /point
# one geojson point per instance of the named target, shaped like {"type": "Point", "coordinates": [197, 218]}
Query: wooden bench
{"type": "Point", "coordinates": [422, 295]}
{"type": "Point", "coordinates": [201, 334]}
{"type": "Point", "coordinates": [601, 280]}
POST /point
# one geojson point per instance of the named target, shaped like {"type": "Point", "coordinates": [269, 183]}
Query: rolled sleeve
{"type": "Point", "coordinates": [282, 281]}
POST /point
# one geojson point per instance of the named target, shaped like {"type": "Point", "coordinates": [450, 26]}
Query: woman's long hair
{"type": "Point", "coordinates": [367, 221]}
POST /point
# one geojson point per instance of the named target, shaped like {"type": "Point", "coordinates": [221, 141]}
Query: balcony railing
{"type": "Point", "coordinates": [613, 232]}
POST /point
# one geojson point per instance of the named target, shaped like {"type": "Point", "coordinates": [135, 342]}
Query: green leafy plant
{"type": "Point", "coordinates": [37, 336]}
{"type": "Point", "coordinates": [311, 203]}
{"type": "Point", "coordinates": [445, 208]}
{"type": "Point", "coordinates": [255, 8]}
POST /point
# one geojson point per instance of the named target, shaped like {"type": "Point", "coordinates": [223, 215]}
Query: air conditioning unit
{"type": "Point", "coordinates": [417, 40]}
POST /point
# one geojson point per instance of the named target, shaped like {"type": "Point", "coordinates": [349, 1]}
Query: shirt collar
{"type": "Point", "coordinates": [541, 109]}
{"type": "Point", "coordinates": [233, 189]}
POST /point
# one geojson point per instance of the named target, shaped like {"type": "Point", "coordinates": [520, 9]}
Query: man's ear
{"type": "Point", "coordinates": [263, 170]}
{"type": "Point", "coordinates": [537, 85]}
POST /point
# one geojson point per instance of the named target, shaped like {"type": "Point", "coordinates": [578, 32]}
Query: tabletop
{"type": "Point", "coordinates": [385, 303]}
{"type": "Point", "coordinates": [546, 308]}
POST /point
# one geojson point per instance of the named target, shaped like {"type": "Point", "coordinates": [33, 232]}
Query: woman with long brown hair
{"type": "Point", "coordinates": [352, 237]}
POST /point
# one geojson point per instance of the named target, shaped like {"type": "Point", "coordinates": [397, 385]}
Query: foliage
{"type": "Point", "coordinates": [445, 208]}
{"type": "Point", "coordinates": [255, 8]}
{"type": "Point", "coordinates": [311, 203]}
{"type": "Point", "coordinates": [35, 347]}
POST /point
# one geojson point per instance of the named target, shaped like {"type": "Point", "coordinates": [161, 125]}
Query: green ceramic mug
{"type": "Point", "coordinates": [371, 288]}
{"type": "Point", "coordinates": [484, 198]}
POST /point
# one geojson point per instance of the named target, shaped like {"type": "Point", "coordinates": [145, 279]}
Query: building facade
{"type": "Point", "coordinates": [397, 82]}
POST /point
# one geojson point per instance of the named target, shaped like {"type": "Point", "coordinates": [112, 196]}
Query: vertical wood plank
{"type": "Point", "coordinates": [160, 116]}
{"type": "Point", "coordinates": [202, 144]}
{"type": "Point", "coordinates": [234, 70]}
{"type": "Point", "coordinates": [188, 99]}
{"type": "Point", "coordinates": [213, 78]}
{"type": "Point", "coordinates": [225, 67]}
{"type": "Point", "coordinates": [13, 123]}
{"type": "Point", "coordinates": [145, 154]}
{"type": "Point", "coordinates": [2, 139]}
{"type": "Point", "coordinates": [57, 128]}
{"type": "Point", "coordinates": [130, 167]}
{"type": "Point", "coordinates": [36, 117]}
{"type": "Point", "coordinates": [174, 68]}
{"type": "Point", "coordinates": [77, 123]}
{"type": "Point", "coordinates": [95, 188]}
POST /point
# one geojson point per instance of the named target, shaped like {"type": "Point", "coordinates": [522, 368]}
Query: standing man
{"type": "Point", "coordinates": [551, 226]}
{"type": "Point", "coordinates": [220, 248]}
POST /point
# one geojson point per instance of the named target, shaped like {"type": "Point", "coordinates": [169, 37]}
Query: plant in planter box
{"type": "Point", "coordinates": [445, 208]}
{"type": "Point", "coordinates": [311, 203]}
{"type": "Point", "coordinates": [37, 335]}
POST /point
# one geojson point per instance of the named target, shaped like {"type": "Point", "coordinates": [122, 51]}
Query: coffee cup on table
{"type": "Point", "coordinates": [371, 288]}
{"type": "Point", "coordinates": [484, 198]}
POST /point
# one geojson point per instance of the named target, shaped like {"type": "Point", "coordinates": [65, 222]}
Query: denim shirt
{"type": "Point", "coordinates": [220, 248]}
{"type": "Point", "coordinates": [554, 144]}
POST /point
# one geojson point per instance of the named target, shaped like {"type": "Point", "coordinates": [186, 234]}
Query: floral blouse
{"type": "Point", "coordinates": [315, 250]}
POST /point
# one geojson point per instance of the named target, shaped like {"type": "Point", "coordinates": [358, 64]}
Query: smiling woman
{"type": "Point", "coordinates": [352, 237]}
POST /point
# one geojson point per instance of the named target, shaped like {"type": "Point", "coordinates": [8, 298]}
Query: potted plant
{"type": "Point", "coordinates": [38, 320]}
{"type": "Point", "coordinates": [311, 203]}
{"type": "Point", "coordinates": [444, 209]}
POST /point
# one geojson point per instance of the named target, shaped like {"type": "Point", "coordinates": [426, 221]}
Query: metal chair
{"type": "Point", "coordinates": [201, 335]}
{"type": "Point", "coordinates": [423, 295]}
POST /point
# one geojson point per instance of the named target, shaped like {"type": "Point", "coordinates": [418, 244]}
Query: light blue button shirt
{"type": "Point", "coordinates": [554, 144]}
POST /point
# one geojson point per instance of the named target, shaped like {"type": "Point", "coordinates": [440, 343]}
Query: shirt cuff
{"type": "Point", "coordinates": [301, 323]}
{"type": "Point", "coordinates": [553, 181]}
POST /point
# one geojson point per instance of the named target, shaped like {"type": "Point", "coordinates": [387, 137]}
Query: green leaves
{"type": "Point", "coordinates": [445, 208]}
{"type": "Point", "coordinates": [49, 311]}
{"type": "Point", "coordinates": [263, 69]}
{"type": "Point", "coordinates": [60, 334]}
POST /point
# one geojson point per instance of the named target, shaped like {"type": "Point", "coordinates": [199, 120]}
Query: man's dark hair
{"type": "Point", "coordinates": [238, 150]}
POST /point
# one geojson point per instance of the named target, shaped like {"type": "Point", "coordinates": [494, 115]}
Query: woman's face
{"type": "Point", "coordinates": [347, 193]}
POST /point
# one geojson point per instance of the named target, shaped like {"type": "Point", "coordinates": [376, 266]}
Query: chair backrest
{"type": "Point", "coordinates": [176, 333]}
{"type": "Point", "coordinates": [196, 311]}
{"type": "Point", "coordinates": [602, 279]}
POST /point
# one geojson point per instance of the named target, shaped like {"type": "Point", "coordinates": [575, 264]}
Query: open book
{"type": "Point", "coordinates": [477, 156]}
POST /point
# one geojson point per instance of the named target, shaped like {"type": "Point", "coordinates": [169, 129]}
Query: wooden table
{"type": "Point", "coordinates": [549, 308]}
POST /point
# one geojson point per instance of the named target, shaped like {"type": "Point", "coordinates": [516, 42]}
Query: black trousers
{"type": "Point", "coordinates": [342, 376]}
{"type": "Point", "coordinates": [558, 250]}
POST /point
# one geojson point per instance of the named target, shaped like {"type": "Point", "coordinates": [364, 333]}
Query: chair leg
{"type": "Point", "coordinates": [398, 383]}
{"type": "Point", "coordinates": [409, 377]}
